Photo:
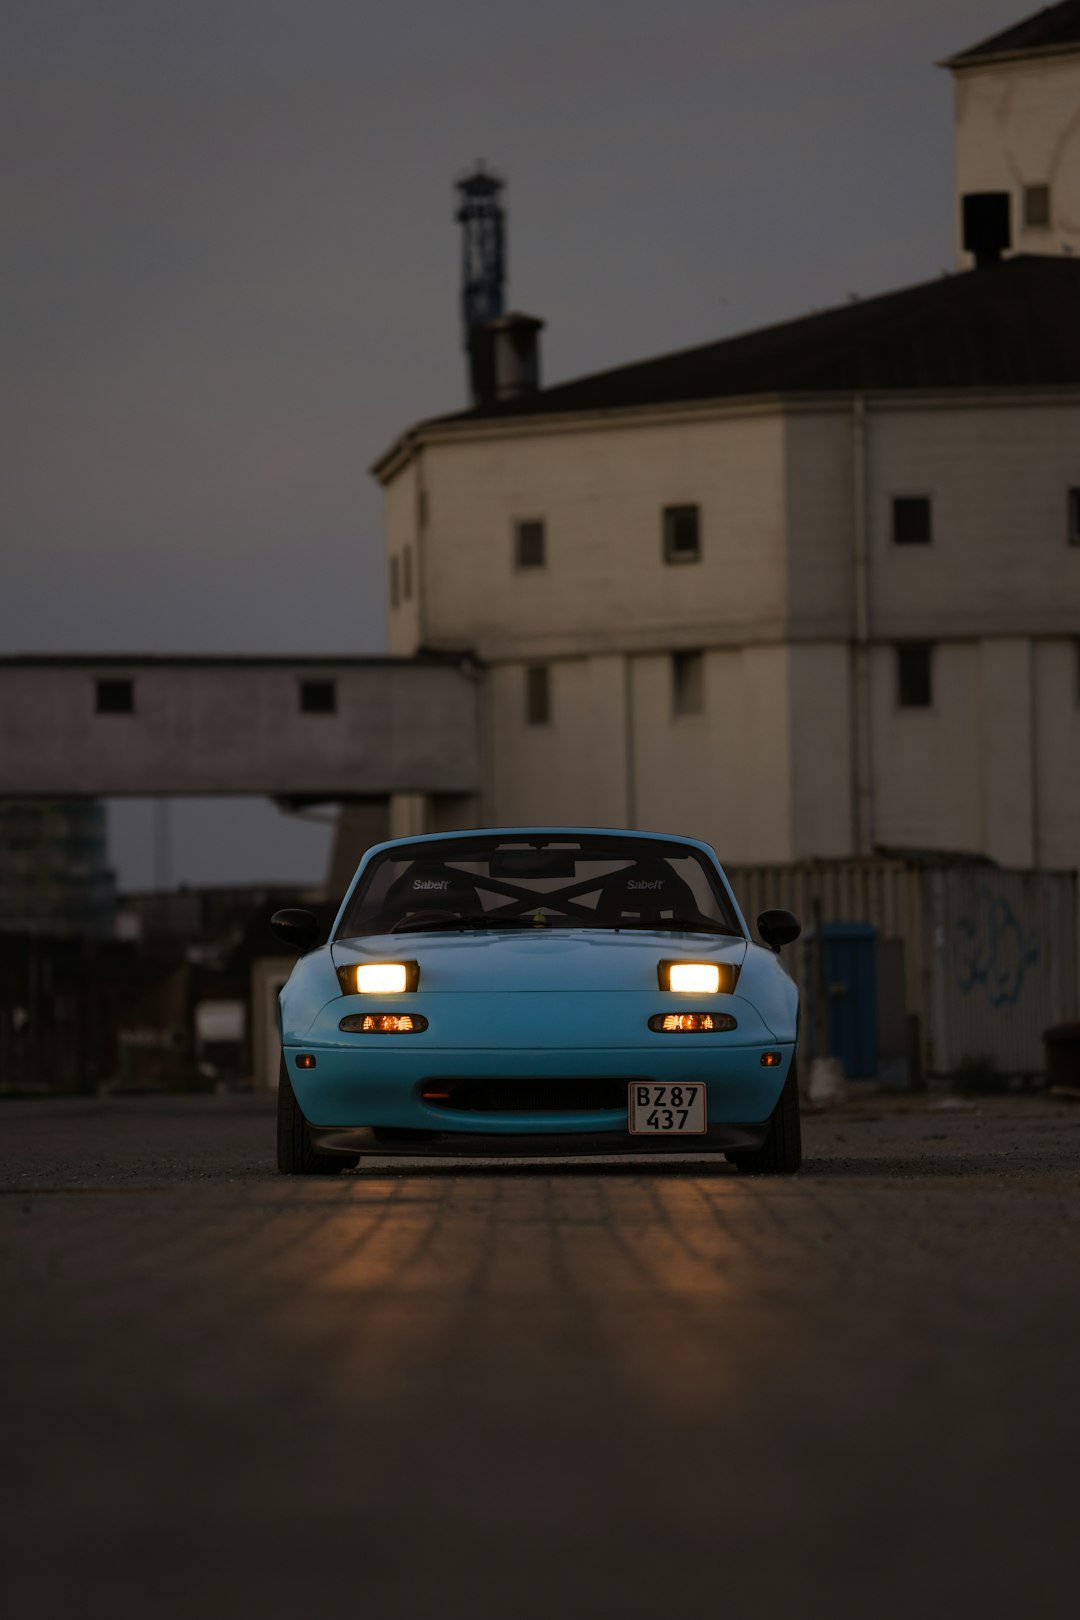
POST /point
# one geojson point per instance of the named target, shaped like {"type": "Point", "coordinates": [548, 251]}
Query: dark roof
{"type": "Point", "coordinates": [1013, 324]}
{"type": "Point", "coordinates": [1055, 28]}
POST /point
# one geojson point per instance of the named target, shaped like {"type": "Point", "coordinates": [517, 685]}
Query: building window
{"type": "Point", "coordinates": [1037, 207]}
{"type": "Point", "coordinates": [537, 695]}
{"type": "Point", "coordinates": [318, 697]}
{"type": "Point", "coordinates": [688, 683]}
{"type": "Point", "coordinates": [529, 544]}
{"type": "Point", "coordinates": [911, 524]}
{"type": "Point", "coordinates": [406, 574]}
{"type": "Point", "coordinates": [914, 688]}
{"type": "Point", "coordinates": [115, 697]}
{"type": "Point", "coordinates": [1074, 517]}
{"type": "Point", "coordinates": [421, 508]}
{"type": "Point", "coordinates": [682, 534]}
{"type": "Point", "coordinates": [395, 582]}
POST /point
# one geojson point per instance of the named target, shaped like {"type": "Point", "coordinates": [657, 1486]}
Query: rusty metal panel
{"type": "Point", "coordinates": [1001, 954]}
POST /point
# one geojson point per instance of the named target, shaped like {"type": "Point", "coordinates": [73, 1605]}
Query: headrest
{"type": "Point", "coordinates": [433, 887]}
{"type": "Point", "coordinates": [648, 889]}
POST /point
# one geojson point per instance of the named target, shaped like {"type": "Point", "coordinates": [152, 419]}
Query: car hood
{"type": "Point", "coordinates": [542, 959]}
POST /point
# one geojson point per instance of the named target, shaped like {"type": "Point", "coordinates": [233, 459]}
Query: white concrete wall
{"type": "Point", "coordinates": [997, 579]}
{"type": "Point", "coordinates": [404, 556]}
{"type": "Point", "coordinates": [721, 775]}
{"type": "Point", "coordinates": [927, 774]}
{"type": "Point", "coordinates": [998, 476]}
{"type": "Point", "coordinates": [993, 766]}
{"type": "Point", "coordinates": [1006, 743]}
{"type": "Point", "coordinates": [600, 492]}
{"type": "Point", "coordinates": [820, 751]}
{"type": "Point", "coordinates": [1056, 705]}
{"type": "Point", "coordinates": [1018, 124]}
{"type": "Point", "coordinates": [819, 497]}
{"type": "Point", "coordinates": [615, 754]}
{"type": "Point", "coordinates": [574, 768]}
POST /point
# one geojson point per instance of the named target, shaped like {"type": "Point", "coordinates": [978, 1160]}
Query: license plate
{"type": "Point", "coordinates": [667, 1110]}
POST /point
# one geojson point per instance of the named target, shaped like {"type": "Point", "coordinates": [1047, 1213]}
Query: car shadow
{"type": "Point", "coordinates": [893, 1167]}
{"type": "Point", "coordinates": [480, 1168]}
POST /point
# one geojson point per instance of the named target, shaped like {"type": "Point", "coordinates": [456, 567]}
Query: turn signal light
{"type": "Point", "coordinates": [691, 1023]}
{"type": "Point", "coordinates": [305, 1060]}
{"type": "Point", "coordinates": [698, 978]}
{"type": "Point", "coordinates": [771, 1060]}
{"type": "Point", "coordinates": [384, 1024]}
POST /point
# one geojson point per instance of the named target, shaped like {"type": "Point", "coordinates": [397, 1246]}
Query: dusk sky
{"type": "Point", "coordinates": [232, 274]}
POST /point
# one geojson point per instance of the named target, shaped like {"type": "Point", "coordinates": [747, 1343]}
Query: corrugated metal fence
{"type": "Point", "coordinates": [989, 956]}
{"type": "Point", "coordinates": [1000, 949]}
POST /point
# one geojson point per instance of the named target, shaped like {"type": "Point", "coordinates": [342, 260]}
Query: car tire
{"type": "Point", "coordinates": [295, 1154]}
{"type": "Point", "coordinates": [781, 1152]}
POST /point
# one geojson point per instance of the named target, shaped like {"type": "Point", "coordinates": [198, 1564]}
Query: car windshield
{"type": "Point", "coordinates": [559, 880]}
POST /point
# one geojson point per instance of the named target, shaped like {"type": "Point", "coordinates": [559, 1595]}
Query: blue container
{"type": "Point", "coordinates": [850, 996]}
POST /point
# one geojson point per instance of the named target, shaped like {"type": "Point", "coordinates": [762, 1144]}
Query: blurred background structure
{"type": "Point", "coordinates": [54, 872]}
{"type": "Point", "coordinates": [811, 593]}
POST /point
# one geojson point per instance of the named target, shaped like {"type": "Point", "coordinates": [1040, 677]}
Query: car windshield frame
{"type": "Point", "coordinates": [366, 915]}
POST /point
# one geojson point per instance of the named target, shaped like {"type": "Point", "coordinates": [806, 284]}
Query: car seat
{"type": "Point", "coordinates": [645, 892]}
{"type": "Point", "coordinates": [432, 887]}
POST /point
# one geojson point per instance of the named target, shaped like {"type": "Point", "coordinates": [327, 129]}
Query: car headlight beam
{"type": "Point", "coordinates": [698, 978]}
{"type": "Point", "coordinates": [378, 978]}
{"type": "Point", "coordinates": [381, 978]}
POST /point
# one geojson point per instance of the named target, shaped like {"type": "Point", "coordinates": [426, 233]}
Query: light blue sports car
{"type": "Point", "coordinates": [538, 990]}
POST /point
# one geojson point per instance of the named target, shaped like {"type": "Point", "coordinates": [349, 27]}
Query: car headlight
{"type": "Point", "coordinates": [378, 978]}
{"type": "Point", "coordinates": [698, 978]}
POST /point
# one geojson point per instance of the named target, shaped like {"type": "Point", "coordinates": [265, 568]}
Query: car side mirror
{"type": "Point", "coordinates": [778, 928]}
{"type": "Point", "coordinates": [299, 929]}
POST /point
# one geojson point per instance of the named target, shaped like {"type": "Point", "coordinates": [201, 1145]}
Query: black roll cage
{"type": "Point", "coordinates": [520, 900]}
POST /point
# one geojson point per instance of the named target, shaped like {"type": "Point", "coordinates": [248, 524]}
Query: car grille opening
{"type": "Point", "coordinates": [513, 1095]}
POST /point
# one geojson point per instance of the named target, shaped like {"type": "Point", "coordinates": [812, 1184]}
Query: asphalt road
{"type": "Point", "coordinates": [517, 1391]}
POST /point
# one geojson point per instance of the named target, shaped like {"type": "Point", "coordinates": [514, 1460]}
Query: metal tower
{"type": "Point", "coordinates": [484, 257]}
{"type": "Point", "coordinates": [483, 274]}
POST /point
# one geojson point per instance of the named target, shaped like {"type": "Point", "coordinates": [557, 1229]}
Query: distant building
{"type": "Point", "coordinates": [54, 872]}
{"type": "Point", "coordinates": [1018, 130]}
{"type": "Point", "coordinates": [811, 591]}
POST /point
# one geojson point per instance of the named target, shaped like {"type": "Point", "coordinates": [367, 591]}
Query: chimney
{"type": "Point", "coordinates": [986, 226]}
{"type": "Point", "coordinates": [480, 348]}
{"type": "Point", "coordinates": [515, 342]}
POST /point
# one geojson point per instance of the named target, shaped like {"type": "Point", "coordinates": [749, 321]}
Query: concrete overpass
{"type": "Point", "coordinates": [301, 730]}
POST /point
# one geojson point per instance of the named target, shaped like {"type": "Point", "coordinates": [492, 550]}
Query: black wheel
{"type": "Point", "coordinates": [781, 1152]}
{"type": "Point", "coordinates": [295, 1154]}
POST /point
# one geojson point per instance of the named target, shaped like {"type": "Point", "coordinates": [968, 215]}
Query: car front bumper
{"type": "Point", "coordinates": [369, 1098]}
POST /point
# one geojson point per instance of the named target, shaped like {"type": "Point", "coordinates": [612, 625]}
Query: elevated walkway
{"type": "Point", "coordinates": [301, 730]}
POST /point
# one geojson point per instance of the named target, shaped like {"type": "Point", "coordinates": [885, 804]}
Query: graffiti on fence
{"type": "Point", "coordinates": [994, 950]}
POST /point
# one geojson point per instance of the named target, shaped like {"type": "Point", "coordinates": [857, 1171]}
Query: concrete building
{"type": "Point", "coordinates": [54, 873]}
{"type": "Point", "coordinates": [1018, 127]}
{"type": "Point", "coordinates": [302, 730]}
{"type": "Point", "coordinates": [813, 591]}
